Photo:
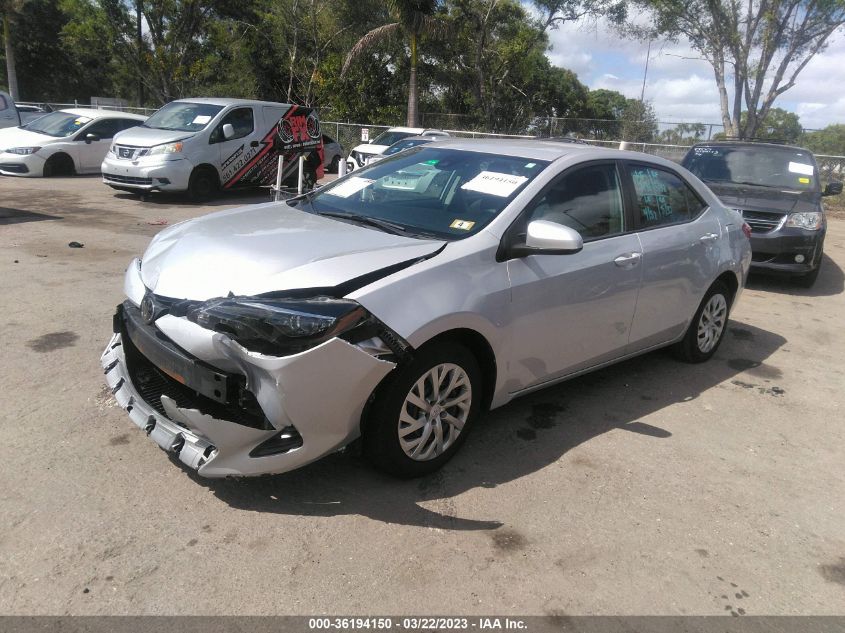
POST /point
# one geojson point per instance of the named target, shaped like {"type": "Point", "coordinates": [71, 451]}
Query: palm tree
{"type": "Point", "coordinates": [413, 19]}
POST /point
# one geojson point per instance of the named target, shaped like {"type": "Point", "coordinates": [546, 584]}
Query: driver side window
{"type": "Point", "coordinates": [588, 200]}
{"type": "Point", "coordinates": [241, 119]}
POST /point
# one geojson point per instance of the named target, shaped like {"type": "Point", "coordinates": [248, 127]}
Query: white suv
{"type": "Point", "coordinates": [359, 156]}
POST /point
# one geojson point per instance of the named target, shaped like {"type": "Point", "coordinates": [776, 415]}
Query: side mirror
{"type": "Point", "coordinates": [228, 131]}
{"type": "Point", "coordinates": [548, 238]}
{"type": "Point", "coordinates": [834, 188]}
{"type": "Point", "coordinates": [90, 138]}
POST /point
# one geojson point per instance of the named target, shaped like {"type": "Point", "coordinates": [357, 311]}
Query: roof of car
{"type": "Point", "coordinates": [94, 113]}
{"type": "Point", "coordinates": [538, 149]}
{"type": "Point", "coordinates": [734, 143]}
{"type": "Point", "coordinates": [225, 101]}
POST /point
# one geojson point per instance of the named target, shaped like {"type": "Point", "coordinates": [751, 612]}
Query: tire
{"type": "Point", "coordinates": [394, 412]}
{"type": "Point", "coordinates": [334, 165]}
{"type": "Point", "coordinates": [59, 165]}
{"type": "Point", "coordinates": [203, 184]}
{"type": "Point", "coordinates": [707, 328]}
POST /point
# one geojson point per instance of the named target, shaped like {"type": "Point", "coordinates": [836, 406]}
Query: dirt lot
{"type": "Point", "coordinates": [649, 488]}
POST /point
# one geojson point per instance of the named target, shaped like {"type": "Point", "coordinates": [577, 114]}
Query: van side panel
{"type": "Point", "coordinates": [297, 132]}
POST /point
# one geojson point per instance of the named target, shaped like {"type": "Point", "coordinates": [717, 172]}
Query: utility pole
{"type": "Point", "coordinates": [645, 73]}
{"type": "Point", "coordinates": [140, 40]}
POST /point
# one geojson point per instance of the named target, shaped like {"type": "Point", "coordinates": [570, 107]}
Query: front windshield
{"type": "Point", "coordinates": [389, 138]}
{"type": "Point", "coordinates": [402, 145]}
{"type": "Point", "coordinates": [764, 166]}
{"type": "Point", "coordinates": [428, 191]}
{"type": "Point", "coordinates": [182, 116]}
{"type": "Point", "coordinates": [58, 124]}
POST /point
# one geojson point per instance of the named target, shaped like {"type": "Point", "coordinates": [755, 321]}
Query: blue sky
{"type": "Point", "coordinates": [683, 89]}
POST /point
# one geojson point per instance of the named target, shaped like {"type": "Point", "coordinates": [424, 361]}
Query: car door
{"type": "Point", "coordinates": [681, 237]}
{"type": "Point", "coordinates": [234, 153]}
{"type": "Point", "coordinates": [90, 152]}
{"type": "Point", "coordinates": [9, 116]}
{"type": "Point", "coordinates": [574, 311]}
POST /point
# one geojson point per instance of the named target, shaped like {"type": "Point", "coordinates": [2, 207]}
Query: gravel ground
{"type": "Point", "coordinates": [651, 487]}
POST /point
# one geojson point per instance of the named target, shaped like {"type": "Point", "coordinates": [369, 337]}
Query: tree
{"type": "Point", "coordinates": [9, 10]}
{"type": "Point", "coordinates": [413, 19]}
{"type": "Point", "coordinates": [830, 140]}
{"type": "Point", "coordinates": [778, 125]}
{"type": "Point", "coordinates": [683, 134]}
{"type": "Point", "coordinates": [757, 48]}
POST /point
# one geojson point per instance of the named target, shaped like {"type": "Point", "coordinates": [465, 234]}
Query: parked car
{"type": "Point", "coordinates": [398, 146]}
{"type": "Point", "coordinates": [332, 154]}
{"type": "Point", "coordinates": [64, 142]}
{"type": "Point", "coordinates": [776, 189]}
{"type": "Point", "coordinates": [201, 146]}
{"type": "Point", "coordinates": [9, 116]}
{"type": "Point", "coordinates": [360, 154]}
{"type": "Point", "coordinates": [402, 301]}
{"type": "Point", "coordinates": [30, 112]}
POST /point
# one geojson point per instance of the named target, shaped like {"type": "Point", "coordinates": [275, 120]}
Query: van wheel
{"type": "Point", "coordinates": [334, 165]}
{"type": "Point", "coordinates": [423, 413]}
{"type": "Point", "coordinates": [59, 165]}
{"type": "Point", "coordinates": [708, 326]}
{"type": "Point", "coordinates": [203, 184]}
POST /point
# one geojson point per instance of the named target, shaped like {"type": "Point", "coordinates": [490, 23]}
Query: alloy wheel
{"type": "Point", "coordinates": [711, 324]}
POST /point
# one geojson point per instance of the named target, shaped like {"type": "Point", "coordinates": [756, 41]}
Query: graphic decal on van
{"type": "Point", "coordinates": [296, 133]}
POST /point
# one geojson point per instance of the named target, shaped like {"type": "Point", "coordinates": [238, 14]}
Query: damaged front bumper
{"type": "Point", "coordinates": [298, 408]}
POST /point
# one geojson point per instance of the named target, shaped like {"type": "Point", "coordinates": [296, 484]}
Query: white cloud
{"type": "Point", "coordinates": [679, 84]}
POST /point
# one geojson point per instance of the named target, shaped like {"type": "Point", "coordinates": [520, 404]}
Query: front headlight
{"type": "Point", "coordinates": [167, 148]}
{"type": "Point", "coordinates": [23, 151]}
{"type": "Point", "coordinates": [112, 151]}
{"type": "Point", "coordinates": [279, 327]}
{"type": "Point", "coordinates": [810, 220]}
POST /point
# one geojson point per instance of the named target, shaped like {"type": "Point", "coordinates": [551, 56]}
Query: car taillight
{"type": "Point", "coordinates": [746, 230]}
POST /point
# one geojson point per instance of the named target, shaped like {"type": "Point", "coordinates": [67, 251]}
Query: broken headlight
{"type": "Point", "coordinates": [279, 327]}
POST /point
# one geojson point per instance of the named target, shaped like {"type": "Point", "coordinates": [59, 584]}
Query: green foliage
{"type": "Point", "coordinates": [830, 140]}
{"type": "Point", "coordinates": [778, 125]}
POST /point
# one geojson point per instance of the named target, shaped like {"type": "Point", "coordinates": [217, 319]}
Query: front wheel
{"type": "Point", "coordinates": [707, 329]}
{"type": "Point", "coordinates": [423, 413]}
{"type": "Point", "coordinates": [203, 184]}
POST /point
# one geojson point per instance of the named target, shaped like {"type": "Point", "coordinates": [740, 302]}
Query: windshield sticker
{"type": "Point", "coordinates": [804, 181]}
{"type": "Point", "coordinates": [530, 165]}
{"type": "Point", "coordinates": [81, 121]}
{"type": "Point", "coordinates": [202, 119]}
{"type": "Point", "coordinates": [350, 186]}
{"type": "Point", "coordinates": [464, 225]}
{"type": "Point", "coordinates": [801, 168]}
{"type": "Point", "coordinates": [705, 150]}
{"type": "Point", "coordinates": [495, 183]}
{"type": "Point", "coordinates": [433, 161]}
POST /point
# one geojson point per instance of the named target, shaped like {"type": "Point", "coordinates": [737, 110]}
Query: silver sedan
{"type": "Point", "coordinates": [400, 303]}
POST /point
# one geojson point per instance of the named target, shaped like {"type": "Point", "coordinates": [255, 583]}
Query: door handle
{"type": "Point", "coordinates": [629, 260]}
{"type": "Point", "coordinates": [707, 238]}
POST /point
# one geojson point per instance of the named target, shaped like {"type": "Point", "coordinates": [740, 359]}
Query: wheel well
{"type": "Point", "coordinates": [729, 279]}
{"type": "Point", "coordinates": [64, 159]}
{"type": "Point", "coordinates": [483, 352]}
{"type": "Point", "coordinates": [209, 168]}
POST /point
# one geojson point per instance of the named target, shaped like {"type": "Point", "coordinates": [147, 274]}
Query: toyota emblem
{"type": "Point", "coordinates": [148, 311]}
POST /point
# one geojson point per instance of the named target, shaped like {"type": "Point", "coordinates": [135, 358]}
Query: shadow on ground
{"type": "Point", "coordinates": [513, 441]}
{"type": "Point", "coordinates": [831, 281]}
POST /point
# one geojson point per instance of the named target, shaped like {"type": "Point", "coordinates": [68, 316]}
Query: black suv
{"type": "Point", "coordinates": [776, 188]}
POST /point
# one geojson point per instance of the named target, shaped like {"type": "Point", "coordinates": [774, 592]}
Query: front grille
{"type": "Point", "coordinates": [128, 152]}
{"type": "Point", "coordinates": [128, 180]}
{"type": "Point", "coordinates": [763, 221]}
{"type": "Point", "coordinates": [152, 384]}
{"type": "Point", "coordinates": [14, 168]}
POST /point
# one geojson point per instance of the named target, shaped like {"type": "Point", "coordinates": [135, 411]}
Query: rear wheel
{"type": "Point", "coordinates": [59, 165]}
{"type": "Point", "coordinates": [707, 329]}
{"type": "Point", "coordinates": [334, 165]}
{"type": "Point", "coordinates": [423, 414]}
{"type": "Point", "coordinates": [203, 184]}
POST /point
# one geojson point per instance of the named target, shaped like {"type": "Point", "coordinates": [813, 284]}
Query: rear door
{"type": "Point", "coordinates": [92, 152]}
{"type": "Point", "coordinates": [575, 311]}
{"type": "Point", "coordinates": [681, 239]}
{"type": "Point", "coordinates": [9, 116]}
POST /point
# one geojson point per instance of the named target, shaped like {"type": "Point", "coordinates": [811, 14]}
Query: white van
{"type": "Point", "coordinates": [203, 145]}
{"type": "Point", "coordinates": [9, 116]}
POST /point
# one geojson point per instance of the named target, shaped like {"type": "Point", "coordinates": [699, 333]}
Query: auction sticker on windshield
{"type": "Point", "coordinates": [350, 186]}
{"type": "Point", "coordinates": [495, 183]}
{"type": "Point", "coordinates": [801, 168]}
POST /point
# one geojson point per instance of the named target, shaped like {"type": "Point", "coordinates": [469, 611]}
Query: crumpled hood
{"type": "Point", "coordinates": [266, 248]}
{"type": "Point", "coordinates": [147, 137]}
{"type": "Point", "coordinates": [765, 198]}
{"type": "Point", "coordinates": [17, 137]}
